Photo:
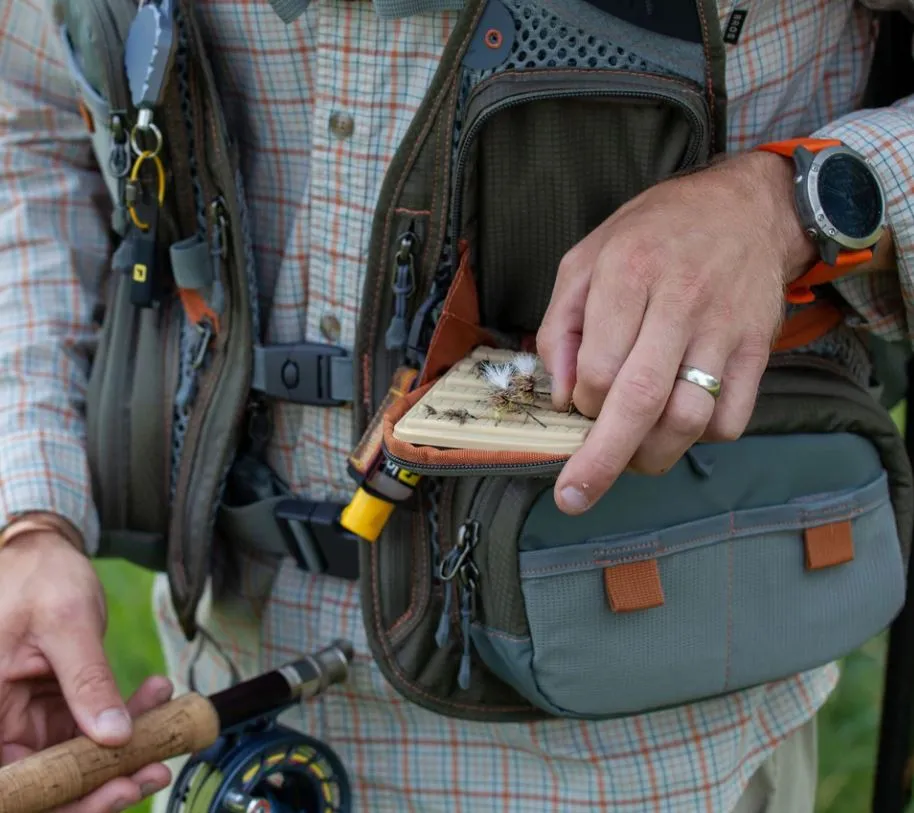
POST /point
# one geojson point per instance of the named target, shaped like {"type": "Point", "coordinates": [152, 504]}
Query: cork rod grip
{"type": "Point", "coordinates": [72, 769]}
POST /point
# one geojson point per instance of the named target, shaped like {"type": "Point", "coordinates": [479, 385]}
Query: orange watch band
{"type": "Point", "coordinates": [799, 292]}
{"type": "Point", "coordinates": [788, 148]}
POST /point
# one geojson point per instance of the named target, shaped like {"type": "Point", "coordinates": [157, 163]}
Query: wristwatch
{"type": "Point", "coordinates": [841, 206]}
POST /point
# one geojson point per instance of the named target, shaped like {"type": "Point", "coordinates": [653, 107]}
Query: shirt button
{"type": "Point", "coordinates": [330, 327]}
{"type": "Point", "coordinates": [341, 125]}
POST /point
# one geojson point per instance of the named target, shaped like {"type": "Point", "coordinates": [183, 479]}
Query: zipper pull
{"type": "Point", "coordinates": [447, 570]}
{"type": "Point", "coordinates": [453, 563]}
{"type": "Point", "coordinates": [456, 564]}
{"type": "Point", "coordinates": [185, 396]}
{"type": "Point", "coordinates": [443, 633]}
{"type": "Point", "coordinates": [426, 316]}
{"type": "Point", "coordinates": [403, 284]}
{"type": "Point", "coordinates": [467, 615]}
{"type": "Point", "coordinates": [218, 251]}
{"type": "Point", "coordinates": [119, 167]}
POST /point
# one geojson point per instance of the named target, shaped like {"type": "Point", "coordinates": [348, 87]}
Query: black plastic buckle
{"type": "Point", "coordinates": [301, 372]}
{"type": "Point", "coordinates": [316, 540]}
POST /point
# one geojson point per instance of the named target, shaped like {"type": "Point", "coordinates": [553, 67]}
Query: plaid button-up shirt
{"type": "Point", "coordinates": [326, 101]}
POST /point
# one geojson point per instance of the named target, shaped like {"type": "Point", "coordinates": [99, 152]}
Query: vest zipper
{"type": "Point", "coordinates": [230, 350]}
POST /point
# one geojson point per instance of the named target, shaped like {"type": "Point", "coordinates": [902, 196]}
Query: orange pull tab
{"type": "Point", "coordinates": [829, 545]}
{"type": "Point", "coordinates": [196, 308]}
{"type": "Point", "coordinates": [633, 586]}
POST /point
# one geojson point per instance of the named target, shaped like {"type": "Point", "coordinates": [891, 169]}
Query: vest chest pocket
{"type": "Point", "coordinates": [545, 156]}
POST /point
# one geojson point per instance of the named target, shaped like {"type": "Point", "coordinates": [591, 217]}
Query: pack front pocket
{"type": "Point", "coordinates": [671, 589]}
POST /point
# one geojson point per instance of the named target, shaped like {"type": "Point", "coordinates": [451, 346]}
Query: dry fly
{"type": "Point", "coordinates": [524, 379]}
{"type": "Point", "coordinates": [505, 396]}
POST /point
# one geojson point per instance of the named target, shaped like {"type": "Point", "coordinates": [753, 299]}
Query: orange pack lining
{"type": "Point", "coordinates": [456, 335]}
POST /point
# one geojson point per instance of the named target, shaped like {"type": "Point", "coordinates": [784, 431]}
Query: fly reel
{"type": "Point", "coordinates": [266, 769]}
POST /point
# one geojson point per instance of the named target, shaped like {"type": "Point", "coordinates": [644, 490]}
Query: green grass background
{"type": "Point", "coordinates": [849, 723]}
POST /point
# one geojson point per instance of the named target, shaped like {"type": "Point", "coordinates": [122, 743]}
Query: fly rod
{"type": "Point", "coordinates": [186, 725]}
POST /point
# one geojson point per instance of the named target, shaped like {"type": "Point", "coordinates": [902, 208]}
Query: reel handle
{"type": "Point", "coordinates": [72, 769]}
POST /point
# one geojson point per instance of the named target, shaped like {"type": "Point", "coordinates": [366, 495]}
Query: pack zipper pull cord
{"type": "Point", "coordinates": [450, 568]}
{"type": "Point", "coordinates": [218, 252]}
{"type": "Point", "coordinates": [443, 633]}
{"type": "Point", "coordinates": [119, 167]}
{"type": "Point", "coordinates": [467, 614]}
{"type": "Point", "coordinates": [404, 282]}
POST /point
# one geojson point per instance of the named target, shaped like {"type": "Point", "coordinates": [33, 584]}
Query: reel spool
{"type": "Point", "coordinates": [273, 769]}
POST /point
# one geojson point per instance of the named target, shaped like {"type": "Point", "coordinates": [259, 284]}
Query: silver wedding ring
{"type": "Point", "coordinates": [706, 381]}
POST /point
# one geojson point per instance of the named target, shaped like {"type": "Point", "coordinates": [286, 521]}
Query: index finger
{"type": "Point", "coordinates": [632, 408]}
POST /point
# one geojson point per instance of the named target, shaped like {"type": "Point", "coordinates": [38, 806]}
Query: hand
{"type": "Point", "coordinates": [55, 681]}
{"type": "Point", "coordinates": [692, 271]}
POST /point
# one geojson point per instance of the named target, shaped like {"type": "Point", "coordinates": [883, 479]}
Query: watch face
{"type": "Point", "coordinates": [849, 195]}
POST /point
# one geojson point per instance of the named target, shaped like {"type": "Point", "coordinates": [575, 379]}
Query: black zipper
{"type": "Point", "coordinates": [550, 466]}
{"type": "Point", "coordinates": [403, 285]}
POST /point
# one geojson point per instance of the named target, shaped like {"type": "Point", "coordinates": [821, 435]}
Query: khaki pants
{"type": "Point", "coordinates": [786, 783]}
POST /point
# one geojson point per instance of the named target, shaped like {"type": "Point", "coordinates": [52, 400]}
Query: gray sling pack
{"type": "Point", "coordinates": [747, 562]}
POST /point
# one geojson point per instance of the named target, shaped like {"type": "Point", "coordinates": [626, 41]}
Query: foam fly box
{"type": "Point", "coordinates": [463, 410]}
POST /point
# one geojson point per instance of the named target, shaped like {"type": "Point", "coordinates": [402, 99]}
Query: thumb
{"type": "Point", "coordinates": [77, 656]}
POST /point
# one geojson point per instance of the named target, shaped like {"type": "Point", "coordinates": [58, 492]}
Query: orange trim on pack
{"type": "Point", "coordinates": [633, 586]}
{"type": "Point", "coordinates": [196, 308]}
{"type": "Point", "coordinates": [828, 545]}
{"type": "Point", "coordinates": [457, 332]}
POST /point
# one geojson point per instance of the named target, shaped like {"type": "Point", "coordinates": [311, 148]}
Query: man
{"type": "Point", "coordinates": [327, 100]}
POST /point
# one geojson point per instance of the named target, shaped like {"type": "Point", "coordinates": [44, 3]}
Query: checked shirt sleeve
{"type": "Point", "coordinates": [883, 300]}
{"type": "Point", "coordinates": [53, 248]}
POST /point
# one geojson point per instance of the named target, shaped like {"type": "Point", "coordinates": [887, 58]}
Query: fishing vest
{"type": "Point", "coordinates": [747, 562]}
